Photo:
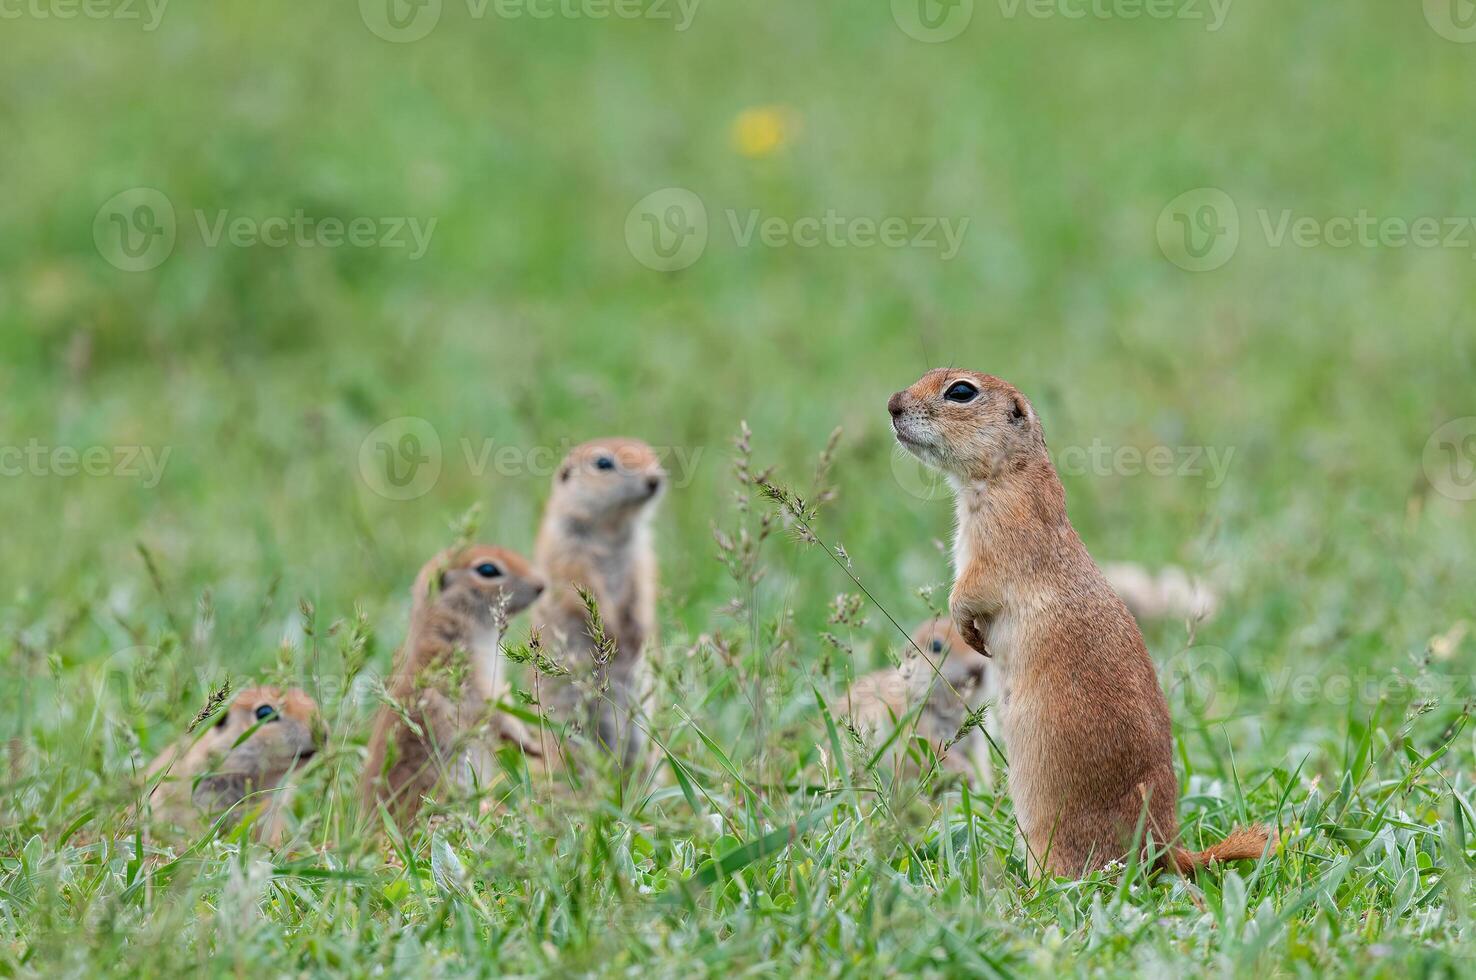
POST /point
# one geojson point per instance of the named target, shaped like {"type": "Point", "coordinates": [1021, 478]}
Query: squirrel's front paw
{"type": "Point", "coordinates": [968, 628]}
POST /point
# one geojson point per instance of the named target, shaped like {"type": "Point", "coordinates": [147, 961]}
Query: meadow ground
{"type": "Point", "coordinates": [1182, 239]}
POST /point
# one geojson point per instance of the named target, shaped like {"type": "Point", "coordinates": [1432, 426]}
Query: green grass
{"type": "Point", "coordinates": [763, 845]}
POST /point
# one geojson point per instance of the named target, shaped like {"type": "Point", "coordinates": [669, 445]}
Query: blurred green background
{"type": "Point", "coordinates": [527, 321]}
{"type": "Point", "coordinates": [530, 321]}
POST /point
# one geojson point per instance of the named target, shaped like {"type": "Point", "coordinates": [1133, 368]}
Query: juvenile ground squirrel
{"type": "Point", "coordinates": [445, 682]}
{"type": "Point", "coordinates": [239, 763]}
{"type": "Point", "coordinates": [596, 535]}
{"type": "Point", "coordinates": [1086, 728]}
{"type": "Point", "coordinates": [953, 682]}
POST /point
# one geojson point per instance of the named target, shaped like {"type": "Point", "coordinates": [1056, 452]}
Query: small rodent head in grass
{"type": "Point", "coordinates": [968, 424]}
{"type": "Point", "coordinates": [961, 666]}
{"type": "Point", "coordinates": [260, 737]}
{"type": "Point", "coordinates": [483, 583]}
{"type": "Point", "coordinates": [607, 481]}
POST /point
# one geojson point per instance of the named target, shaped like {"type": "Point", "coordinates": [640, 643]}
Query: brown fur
{"type": "Point", "coordinates": [596, 535]}
{"type": "Point", "coordinates": [1086, 727]}
{"type": "Point", "coordinates": [954, 681]}
{"type": "Point", "coordinates": [210, 773]}
{"type": "Point", "coordinates": [455, 612]}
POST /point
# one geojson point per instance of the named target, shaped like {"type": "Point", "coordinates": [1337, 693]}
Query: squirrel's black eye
{"type": "Point", "coordinates": [488, 570]}
{"type": "Point", "coordinates": [937, 645]}
{"type": "Point", "coordinates": [961, 391]}
{"type": "Point", "coordinates": [605, 463]}
{"type": "Point", "coordinates": [265, 711]}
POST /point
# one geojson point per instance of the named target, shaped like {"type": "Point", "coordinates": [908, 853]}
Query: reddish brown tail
{"type": "Point", "coordinates": [1243, 844]}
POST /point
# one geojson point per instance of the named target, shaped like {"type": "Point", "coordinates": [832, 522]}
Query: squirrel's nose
{"type": "Point", "coordinates": [894, 404]}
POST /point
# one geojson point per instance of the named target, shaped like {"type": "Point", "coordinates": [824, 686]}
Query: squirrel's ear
{"type": "Point", "coordinates": [1019, 411]}
{"type": "Point", "coordinates": [564, 473]}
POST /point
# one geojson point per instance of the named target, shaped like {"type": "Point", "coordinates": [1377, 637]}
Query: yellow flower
{"type": "Point", "coordinates": [764, 130]}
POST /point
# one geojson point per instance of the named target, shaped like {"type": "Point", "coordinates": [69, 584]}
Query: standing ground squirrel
{"type": "Point", "coordinates": [954, 682]}
{"type": "Point", "coordinates": [1086, 727]}
{"type": "Point", "coordinates": [596, 536]}
{"type": "Point", "coordinates": [445, 681]}
{"type": "Point", "coordinates": [225, 766]}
